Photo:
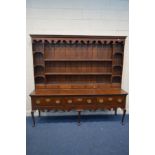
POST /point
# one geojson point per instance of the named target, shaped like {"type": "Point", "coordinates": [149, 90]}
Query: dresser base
{"type": "Point", "coordinates": [78, 100]}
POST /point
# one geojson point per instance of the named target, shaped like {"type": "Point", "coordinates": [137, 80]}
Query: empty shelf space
{"type": "Point", "coordinates": [39, 80]}
{"type": "Point", "coordinates": [119, 52]}
{"type": "Point", "coordinates": [78, 60]}
{"type": "Point", "coordinates": [38, 52]}
{"type": "Point", "coordinates": [78, 67]}
{"type": "Point", "coordinates": [41, 76]}
{"type": "Point", "coordinates": [39, 65]}
{"type": "Point", "coordinates": [117, 66]}
{"type": "Point", "coordinates": [118, 59]}
{"type": "Point", "coordinates": [116, 79]}
{"type": "Point", "coordinates": [78, 73]}
{"type": "Point", "coordinates": [77, 79]}
{"type": "Point", "coordinates": [81, 51]}
{"type": "Point", "coordinates": [117, 75]}
{"type": "Point", "coordinates": [117, 70]}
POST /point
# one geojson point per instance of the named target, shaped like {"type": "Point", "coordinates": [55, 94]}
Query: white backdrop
{"type": "Point", "coordinates": [82, 17]}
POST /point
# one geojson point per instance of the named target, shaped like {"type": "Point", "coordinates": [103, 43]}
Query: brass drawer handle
{"type": "Point", "coordinates": [89, 101]}
{"type": "Point", "coordinates": [38, 102]}
{"type": "Point", "coordinates": [101, 100]}
{"type": "Point", "coordinates": [79, 99]}
{"type": "Point", "coordinates": [119, 100]}
{"type": "Point", "coordinates": [48, 99]}
{"type": "Point", "coordinates": [110, 98]}
{"type": "Point", "coordinates": [69, 101]}
{"type": "Point", "coordinates": [57, 101]}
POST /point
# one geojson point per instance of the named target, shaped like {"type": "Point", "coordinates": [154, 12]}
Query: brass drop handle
{"type": "Point", "coordinates": [38, 102]}
{"type": "Point", "coordinates": [101, 100]}
{"type": "Point", "coordinates": [48, 100]}
{"type": "Point", "coordinates": [69, 101]}
{"type": "Point", "coordinates": [110, 99]}
{"type": "Point", "coordinates": [119, 100]}
{"type": "Point", "coordinates": [79, 99]}
{"type": "Point", "coordinates": [89, 101]}
{"type": "Point", "coordinates": [57, 101]}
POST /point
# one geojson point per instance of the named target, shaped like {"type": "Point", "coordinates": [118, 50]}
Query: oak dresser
{"type": "Point", "coordinates": [79, 73]}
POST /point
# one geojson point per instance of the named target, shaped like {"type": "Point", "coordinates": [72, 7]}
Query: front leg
{"type": "Point", "coordinates": [33, 119]}
{"type": "Point", "coordinates": [115, 111]}
{"type": "Point", "coordinates": [79, 113]}
{"type": "Point", "coordinates": [124, 112]}
{"type": "Point", "coordinates": [39, 112]}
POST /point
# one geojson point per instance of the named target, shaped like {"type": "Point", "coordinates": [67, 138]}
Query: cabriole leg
{"type": "Point", "coordinates": [79, 113]}
{"type": "Point", "coordinates": [33, 119]}
{"type": "Point", "coordinates": [116, 111]}
{"type": "Point", "coordinates": [124, 112]}
{"type": "Point", "coordinates": [39, 112]}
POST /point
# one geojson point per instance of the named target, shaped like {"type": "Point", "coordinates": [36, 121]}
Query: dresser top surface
{"type": "Point", "coordinates": [78, 92]}
{"type": "Point", "coordinates": [75, 36]}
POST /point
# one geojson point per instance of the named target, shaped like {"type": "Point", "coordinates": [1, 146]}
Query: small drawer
{"type": "Point", "coordinates": [37, 100]}
{"type": "Point", "coordinates": [79, 100]}
{"type": "Point", "coordinates": [90, 100]}
{"type": "Point", "coordinates": [74, 100]}
{"type": "Point", "coordinates": [58, 101]}
{"type": "Point", "coordinates": [101, 100]}
{"type": "Point", "coordinates": [69, 100]}
{"type": "Point", "coordinates": [111, 99]}
{"type": "Point", "coordinates": [47, 101]}
{"type": "Point", "coordinates": [120, 99]}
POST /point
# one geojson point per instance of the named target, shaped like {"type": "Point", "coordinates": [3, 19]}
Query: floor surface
{"type": "Point", "coordinates": [60, 135]}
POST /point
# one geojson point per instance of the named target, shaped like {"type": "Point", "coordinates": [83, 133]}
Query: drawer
{"type": "Point", "coordinates": [80, 100]}
{"type": "Point", "coordinates": [111, 99]}
{"type": "Point", "coordinates": [48, 101]}
{"type": "Point", "coordinates": [90, 100]}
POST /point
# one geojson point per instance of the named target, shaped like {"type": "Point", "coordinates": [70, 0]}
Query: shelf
{"type": "Point", "coordinates": [39, 80]}
{"type": "Point", "coordinates": [39, 76]}
{"type": "Point", "coordinates": [116, 79]}
{"type": "Point", "coordinates": [110, 60]}
{"type": "Point", "coordinates": [78, 73]}
{"type": "Point", "coordinates": [73, 62]}
{"type": "Point", "coordinates": [38, 52]}
{"type": "Point", "coordinates": [39, 65]}
{"type": "Point", "coordinates": [117, 66]}
{"type": "Point", "coordinates": [118, 53]}
{"type": "Point", "coordinates": [116, 75]}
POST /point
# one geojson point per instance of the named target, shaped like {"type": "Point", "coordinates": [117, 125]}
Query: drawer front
{"type": "Point", "coordinates": [113, 100]}
{"type": "Point", "coordinates": [80, 100]}
{"type": "Point", "coordinates": [48, 101]}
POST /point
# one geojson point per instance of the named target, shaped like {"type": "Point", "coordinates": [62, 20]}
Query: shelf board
{"type": "Point", "coordinates": [42, 76]}
{"type": "Point", "coordinates": [116, 75]}
{"type": "Point", "coordinates": [78, 73]}
{"type": "Point", "coordinates": [35, 52]}
{"type": "Point", "coordinates": [117, 66]}
{"type": "Point", "coordinates": [39, 65]}
{"type": "Point", "coordinates": [110, 60]}
{"type": "Point", "coordinates": [118, 53]}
